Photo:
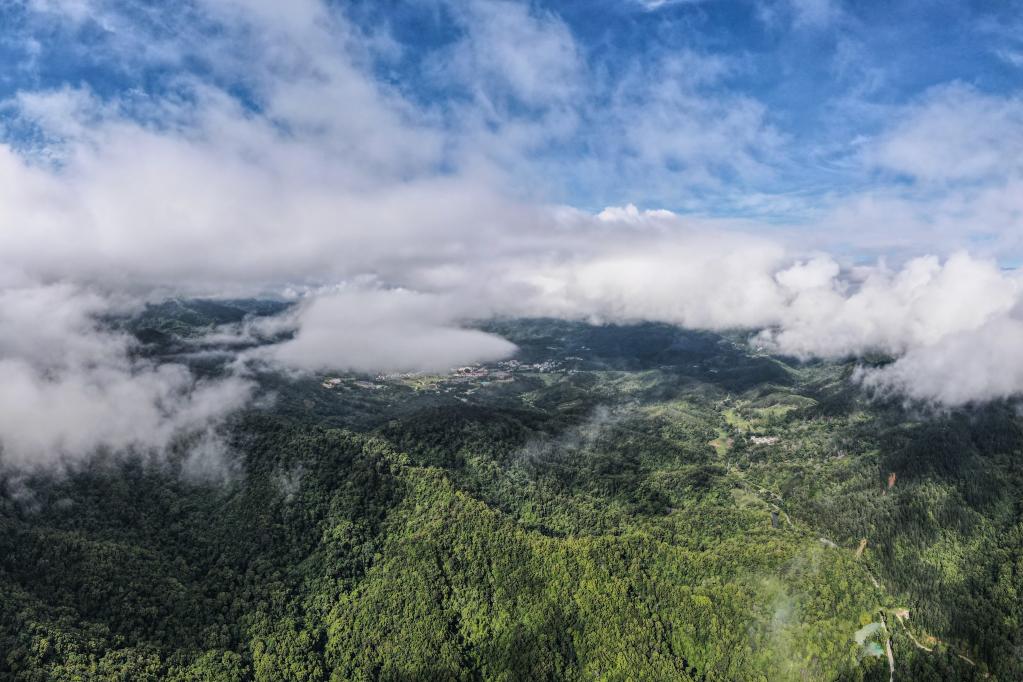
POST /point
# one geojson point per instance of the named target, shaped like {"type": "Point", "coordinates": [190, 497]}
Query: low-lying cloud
{"type": "Point", "coordinates": [70, 388]}
{"type": "Point", "coordinates": [383, 330]}
{"type": "Point", "coordinates": [951, 324]}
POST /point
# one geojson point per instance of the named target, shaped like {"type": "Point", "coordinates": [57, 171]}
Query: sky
{"type": "Point", "coordinates": [836, 178]}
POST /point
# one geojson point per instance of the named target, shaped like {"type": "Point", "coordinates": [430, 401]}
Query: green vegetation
{"type": "Point", "coordinates": [648, 504]}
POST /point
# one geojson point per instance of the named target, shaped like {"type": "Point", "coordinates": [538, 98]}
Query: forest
{"type": "Point", "coordinates": [615, 502]}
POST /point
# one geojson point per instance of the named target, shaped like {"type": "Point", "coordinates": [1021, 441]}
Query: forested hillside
{"type": "Point", "coordinates": [614, 503]}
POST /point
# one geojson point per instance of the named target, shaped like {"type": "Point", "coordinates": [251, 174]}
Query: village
{"type": "Point", "coordinates": [476, 374]}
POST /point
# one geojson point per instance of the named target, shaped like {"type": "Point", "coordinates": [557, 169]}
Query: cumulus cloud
{"type": "Point", "coordinates": [384, 330]}
{"type": "Point", "coordinates": [969, 366]}
{"type": "Point", "coordinates": [696, 280]}
{"type": "Point", "coordinates": [889, 312]}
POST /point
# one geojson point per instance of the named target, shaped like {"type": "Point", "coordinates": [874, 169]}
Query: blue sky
{"type": "Point", "coordinates": [866, 129]}
{"type": "Point", "coordinates": [796, 88]}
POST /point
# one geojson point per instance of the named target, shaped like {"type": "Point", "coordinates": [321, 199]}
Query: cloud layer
{"type": "Point", "coordinates": [285, 151]}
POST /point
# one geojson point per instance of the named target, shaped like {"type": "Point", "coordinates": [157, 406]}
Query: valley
{"type": "Point", "coordinates": [617, 502]}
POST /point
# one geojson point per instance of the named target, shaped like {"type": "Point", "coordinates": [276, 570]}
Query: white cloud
{"type": "Point", "coordinates": [384, 330]}
{"type": "Point", "coordinates": [970, 366]}
{"type": "Point", "coordinates": [664, 126]}
{"type": "Point", "coordinates": [50, 418]}
{"type": "Point", "coordinates": [957, 153]}
{"type": "Point", "coordinates": [631, 215]}
{"type": "Point", "coordinates": [801, 14]}
{"type": "Point", "coordinates": [74, 10]}
{"type": "Point", "coordinates": [651, 5]}
{"type": "Point", "coordinates": [815, 13]}
{"type": "Point", "coordinates": [1014, 57]}
{"type": "Point", "coordinates": [669, 128]}
{"type": "Point", "coordinates": [511, 49]}
{"type": "Point", "coordinates": [693, 280]}
{"type": "Point", "coordinates": [69, 388]}
{"type": "Point", "coordinates": [928, 312]}
{"type": "Point", "coordinates": [888, 311]}
{"type": "Point", "coordinates": [955, 133]}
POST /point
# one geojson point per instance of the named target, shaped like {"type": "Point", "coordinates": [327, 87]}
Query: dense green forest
{"type": "Point", "coordinates": [616, 503]}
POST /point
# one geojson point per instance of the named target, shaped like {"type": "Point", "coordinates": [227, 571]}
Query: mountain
{"type": "Point", "coordinates": [614, 502]}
